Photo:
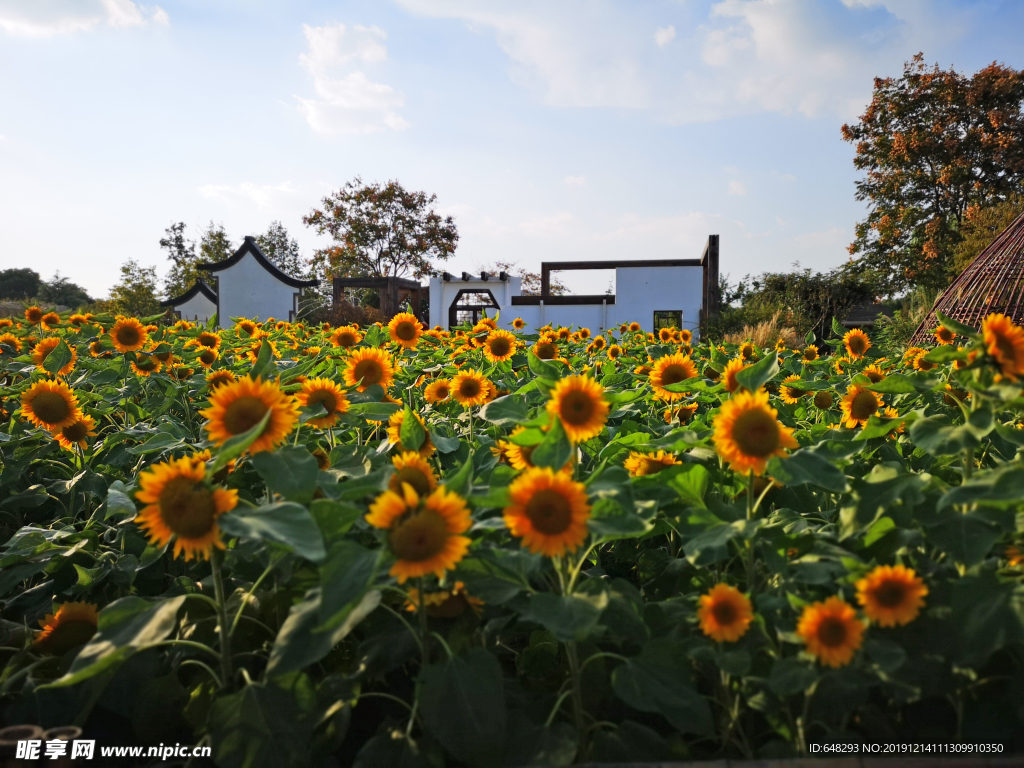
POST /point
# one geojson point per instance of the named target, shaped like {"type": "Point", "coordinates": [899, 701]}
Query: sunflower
{"type": "Point", "coordinates": [614, 351]}
{"type": "Point", "coordinates": [395, 434]}
{"type": "Point", "coordinates": [671, 369]}
{"type": "Point", "coordinates": [640, 464]}
{"type": "Point", "coordinates": [724, 613]}
{"type": "Point", "coordinates": [237, 407]}
{"type": "Point", "coordinates": [11, 341]}
{"type": "Point", "coordinates": [681, 411]}
{"type": "Point", "coordinates": [920, 364]}
{"type": "Point", "coordinates": [405, 329]}
{"type": "Point", "coordinates": [1004, 341]}
{"type": "Point", "coordinates": [207, 357]}
{"type": "Point", "coordinates": [943, 335]}
{"type": "Point", "coordinates": [748, 351]}
{"type": "Point", "coordinates": [34, 315]}
{"type": "Point", "coordinates": [215, 379]}
{"type": "Point", "coordinates": [891, 595]}
{"type": "Point", "coordinates": [50, 404]}
{"type": "Point", "coordinates": [438, 391]}
{"type": "Point", "coordinates": [791, 395]}
{"type": "Point", "coordinates": [548, 510]}
{"type": "Point", "coordinates": [444, 603]}
{"type": "Point", "coordinates": [733, 367]}
{"type": "Point", "coordinates": [486, 325]}
{"type": "Point", "coordinates": [209, 339]}
{"type": "Point", "coordinates": [181, 506]}
{"type": "Point", "coordinates": [72, 626]}
{"type": "Point", "coordinates": [326, 393]}
{"type": "Point", "coordinates": [685, 336]}
{"type": "Point", "coordinates": [128, 334]}
{"type": "Point", "coordinates": [413, 469]}
{"type": "Point", "coordinates": [874, 372]}
{"type": "Point", "coordinates": [346, 336]}
{"type": "Point", "coordinates": [634, 327]}
{"type": "Point", "coordinates": [545, 349]}
{"type": "Point", "coordinates": [856, 343]}
{"type": "Point", "coordinates": [424, 536]}
{"type": "Point", "coordinates": [747, 432]}
{"type": "Point", "coordinates": [469, 388]}
{"type": "Point", "coordinates": [42, 350]}
{"type": "Point", "coordinates": [831, 631]}
{"type": "Point", "coordinates": [96, 349]}
{"type": "Point", "coordinates": [859, 405]}
{"type": "Point", "coordinates": [518, 324]}
{"type": "Point", "coordinates": [248, 327]}
{"type": "Point", "coordinates": [810, 353]}
{"type": "Point", "coordinates": [49, 320]}
{"type": "Point", "coordinates": [579, 403]}
{"type": "Point", "coordinates": [6, 322]}
{"type": "Point", "coordinates": [144, 365]}
{"type": "Point", "coordinates": [823, 399]}
{"type": "Point", "coordinates": [499, 346]}
{"type": "Point", "coordinates": [369, 366]}
{"type": "Point", "coordinates": [76, 433]}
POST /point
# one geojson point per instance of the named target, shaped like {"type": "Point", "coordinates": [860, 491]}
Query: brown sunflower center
{"type": "Point", "coordinates": [858, 345]}
{"type": "Point", "coordinates": [674, 373]}
{"type": "Point", "coordinates": [68, 635]}
{"type": "Point", "coordinates": [863, 406]}
{"type": "Point", "coordinates": [146, 364]}
{"type": "Point", "coordinates": [414, 477]}
{"type": "Point", "coordinates": [577, 408]}
{"type": "Point", "coordinates": [549, 511]}
{"type": "Point", "coordinates": [944, 334]}
{"type": "Point", "coordinates": [243, 414]}
{"type": "Point", "coordinates": [208, 356]}
{"type": "Point", "coordinates": [50, 407]}
{"type": "Point", "coordinates": [77, 431]}
{"type": "Point", "coordinates": [499, 346]}
{"type": "Point", "coordinates": [442, 391]}
{"type": "Point", "coordinates": [128, 335]}
{"type": "Point", "coordinates": [207, 339]}
{"type": "Point", "coordinates": [810, 354]}
{"type": "Point", "coordinates": [346, 339]}
{"type": "Point", "coordinates": [823, 400]}
{"type": "Point", "coordinates": [188, 509]}
{"type": "Point", "coordinates": [369, 371]}
{"type": "Point", "coordinates": [405, 330]}
{"type": "Point", "coordinates": [545, 350]}
{"type": "Point", "coordinates": [325, 396]}
{"type": "Point", "coordinates": [469, 388]}
{"type": "Point", "coordinates": [33, 316]}
{"type": "Point", "coordinates": [219, 380]}
{"type": "Point", "coordinates": [613, 352]}
{"type": "Point", "coordinates": [875, 376]}
{"type": "Point", "coordinates": [724, 612]}
{"type": "Point", "coordinates": [419, 537]}
{"type": "Point", "coordinates": [832, 632]}
{"type": "Point", "coordinates": [756, 432]}
{"type": "Point", "coordinates": [890, 594]}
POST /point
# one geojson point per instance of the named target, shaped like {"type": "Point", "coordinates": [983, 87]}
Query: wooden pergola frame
{"type": "Point", "coordinates": [392, 291]}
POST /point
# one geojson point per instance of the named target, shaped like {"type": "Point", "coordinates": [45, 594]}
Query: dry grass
{"type": "Point", "coordinates": [766, 334]}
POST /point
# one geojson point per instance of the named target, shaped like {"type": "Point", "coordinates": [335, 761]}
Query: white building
{"type": "Point", "coordinates": [651, 292]}
{"type": "Point", "coordinates": [248, 285]}
{"type": "Point", "coordinates": [198, 303]}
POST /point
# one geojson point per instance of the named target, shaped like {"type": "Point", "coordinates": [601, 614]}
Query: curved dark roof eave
{"type": "Point", "coordinates": [198, 287]}
{"type": "Point", "coordinates": [249, 246]}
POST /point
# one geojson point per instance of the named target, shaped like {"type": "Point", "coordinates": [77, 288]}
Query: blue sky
{"type": "Point", "coordinates": [551, 129]}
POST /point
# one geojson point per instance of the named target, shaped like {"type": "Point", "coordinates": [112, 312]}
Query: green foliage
{"type": "Point", "coordinates": [19, 283]}
{"type": "Point", "coordinates": [136, 294]}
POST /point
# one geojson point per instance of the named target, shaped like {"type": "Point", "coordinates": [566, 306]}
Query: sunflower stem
{"type": "Point", "coordinates": [217, 561]}
{"type": "Point", "coordinates": [577, 697]}
{"type": "Point", "coordinates": [750, 495]}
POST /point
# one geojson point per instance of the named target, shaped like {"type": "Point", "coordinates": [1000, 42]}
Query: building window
{"type": "Point", "coordinates": [670, 318]}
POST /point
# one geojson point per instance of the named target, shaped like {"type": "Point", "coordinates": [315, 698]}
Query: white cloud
{"type": "Point", "coordinates": [665, 35]}
{"type": "Point", "coordinates": [262, 195]}
{"type": "Point", "coordinates": [575, 181]}
{"type": "Point", "coordinates": [348, 101]}
{"type": "Point", "coordinates": [41, 19]}
{"type": "Point", "coordinates": [737, 188]}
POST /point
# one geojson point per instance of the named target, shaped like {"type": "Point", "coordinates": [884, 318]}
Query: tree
{"type": "Point", "coordinates": [981, 227]}
{"type": "Point", "coordinates": [529, 282]}
{"type": "Point", "coordinates": [933, 144]}
{"type": "Point", "coordinates": [379, 231]}
{"type": "Point", "coordinates": [281, 250]}
{"type": "Point", "coordinates": [60, 290]}
{"type": "Point", "coordinates": [135, 295]}
{"type": "Point", "coordinates": [214, 246]}
{"type": "Point", "coordinates": [21, 283]}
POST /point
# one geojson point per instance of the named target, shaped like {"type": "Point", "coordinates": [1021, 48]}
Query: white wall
{"type": "Point", "coordinates": [640, 291]}
{"type": "Point", "coordinates": [579, 315]}
{"type": "Point", "coordinates": [247, 290]}
{"type": "Point", "coordinates": [442, 294]}
{"type": "Point", "coordinates": [197, 309]}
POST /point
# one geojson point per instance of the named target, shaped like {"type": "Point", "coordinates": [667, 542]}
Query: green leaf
{"type": "Point", "coordinates": [290, 471]}
{"type": "Point", "coordinates": [878, 426]}
{"type": "Point", "coordinates": [59, 357]}
{"type": "Point", "coordinates": [235, 446]}
{"type": "Point", "coordinates": [755, 376]}
{"type": "Point", "coordinates": [126, 626]}
{"type": "Point", "coordinates": [711, 546]}
{"type": "Point", "coordinates": [374, 411]}
{"type": "Point", "coordinates": [887, 654]}
{"type": "Point", "coordinates": [658, 681]}
{"type": "Point", "coordinates": [805, 467]}
{"type": "Point", "coordinates": [461, 481]}
{"type": "Point", "coordinates": [463, 705]}
{"type": "Point", "coordinates": [511, 409]}
{"type": "Point", "coordinates": [957, 326]}
{"type": "Point", "coordinates": [690, 482]}
{"type": "Point", "coordinates": [543, 369]}
{"type": "Point", "coordinates": [119, 503]}
{"type": "Point", "coordinates": [837, 329]}
{"type": "Point", "coordinates": [939, 437]}
{"type": "Point", "coordinates": [35, 496]}
{"type": "Point", "coordinates": [344, 578]}
{"type": "Point", "coordinates": [555, 450]}
{"type": "Point", "coordinates": [611, 521]}
{"type": "Point", "coordinates": [789, 677]}
{"type": "Point", "coordinates": [284, 522]}
{"type": "Point", "coordinates": [334, 518]}
{"type": "Point", "coordinates": [411, 433]}
{"type": "Point", "coordinates": [298, 645]}
{"type": "Point", "coordinates": [264, 360]}
{"type": "Point", "coordinates": [901, 383]}
{"type": "Point", "coordinates": [967, 538]}
{"type": "Point", "coordinates": [375, 336]}
{"type": "Point", "coordinates": [1001, 487]}
{"type": "Point", "coordinates": [158, 442]}
{"type": "Point", "coordinates": [566, 617]}
{"type": "Point", "coordinates": [444, 443]}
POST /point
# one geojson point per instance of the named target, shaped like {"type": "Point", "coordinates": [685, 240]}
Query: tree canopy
{"type": "Point", "coordinates": [380, 230]}
{"type": "Point", "coordinates": [60, 290]}
{"type": "Point", "coordinates": [933, 144]}
{"type": "Point", "coordinates": [282, 250]}
{"type": "Point", "coordinates": [213, 246]}
{"type": "Point", "coordinates": [982, 226]}
{"type": "Point", "coordinates": [136, 294]}
{"type": "Point", "coordinates": [19, 283]}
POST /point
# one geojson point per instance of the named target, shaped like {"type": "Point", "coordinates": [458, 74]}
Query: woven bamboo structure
{"type": "Point", "coordinates": [994, 282]}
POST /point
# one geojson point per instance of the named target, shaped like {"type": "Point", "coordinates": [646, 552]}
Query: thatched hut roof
{"type": "Point", "coordinates": [994, 282]}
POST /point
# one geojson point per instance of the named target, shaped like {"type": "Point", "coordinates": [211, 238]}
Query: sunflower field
{"type": "Point", "coordinates": [394, 546]}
